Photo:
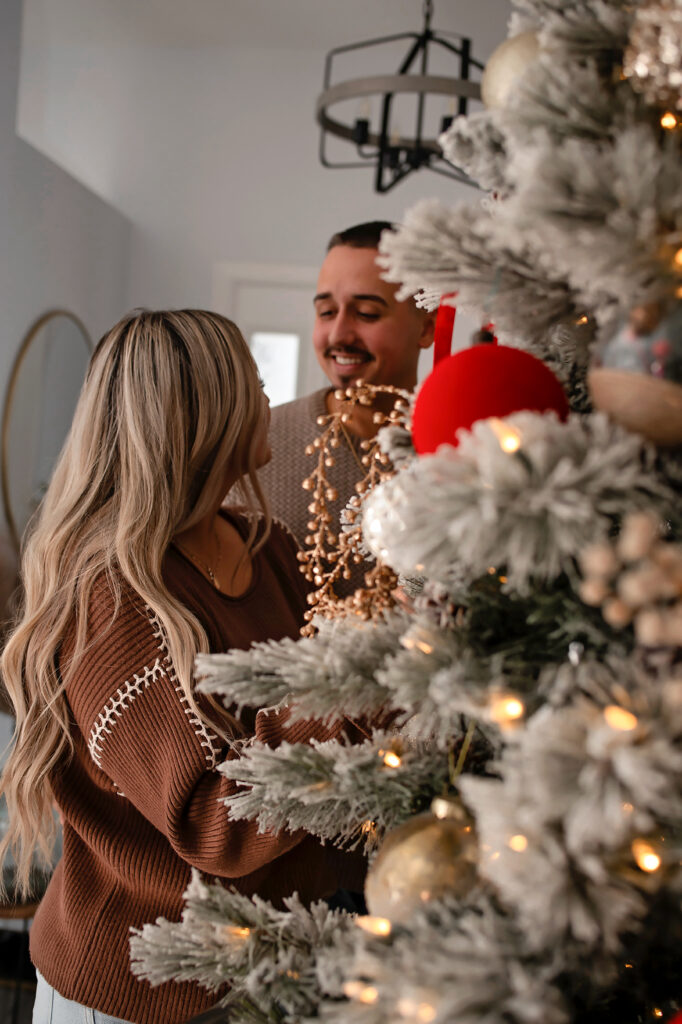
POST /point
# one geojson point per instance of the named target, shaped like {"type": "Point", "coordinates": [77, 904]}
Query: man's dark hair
{"type": "Point", "coordinates": [361, 236]}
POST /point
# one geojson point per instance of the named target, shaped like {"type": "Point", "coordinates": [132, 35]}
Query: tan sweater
{"type": "Point", "coordinates": [293, 427]}
{"type": "Point", "coordinates": [140, 796]}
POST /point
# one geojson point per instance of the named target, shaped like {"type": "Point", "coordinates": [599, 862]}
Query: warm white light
{"type": "Point", "coordinates": [645, 855]}
{"type": "Point", "coordinates": [657, 1012]}
{"type": "Point", "coordinates": [391, 759]}
{"type": "Point", "coordinates": [426, 1013]}
{"type": "Point", "coordinates": [668, 121]}
{"type": "Point", "coordinates": [506, 708]}
{"type": "Point", "coordinates": [509, 438]}
{"type": "Point", "coordinates": [518, 843]}
{"type": "Point", "coordinates": [409, 1007]}
{"type": "Point", "coordinates": [424, 647]}
{"type": "Point", "coordinates": [582, 320]}
{"type": "Point", "coordinates": [620, 719]}
{"type": "Point", "coordinates": [678, 258]}
{"type": "Point", "coordinates": [374, 925]}
{"type": "Point", "coordinates": [359, 990]}
{"type": "Point", "coordinates": [232, 931]}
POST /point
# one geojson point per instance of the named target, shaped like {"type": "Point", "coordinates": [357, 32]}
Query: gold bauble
{"type": "Point", "coordinates": [430, 856]}
{"type": "Point", "coordinates": [506, 65]}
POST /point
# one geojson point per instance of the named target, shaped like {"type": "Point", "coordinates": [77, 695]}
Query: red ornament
{"type": "Point", "coordinates": [482, 381]}
{"type": "Point", "coordinates": [677, 1019]}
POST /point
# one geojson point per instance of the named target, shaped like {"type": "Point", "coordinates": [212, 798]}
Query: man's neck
{"type": "Point", "coordinates": [361, 423]}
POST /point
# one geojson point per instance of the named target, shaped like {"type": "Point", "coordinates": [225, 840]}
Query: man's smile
{"type": "Point", "coordinates": [346, 357]}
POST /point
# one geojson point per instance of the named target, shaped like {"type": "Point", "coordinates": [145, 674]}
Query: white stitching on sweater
{"type": "Point", "coordinates": [115, 707]}
{"type": "Point", "coordinates": [205, 736]}
{"type": "Point", "coordinates": [131, 689]}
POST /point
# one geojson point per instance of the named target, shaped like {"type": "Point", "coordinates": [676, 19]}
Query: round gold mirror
{"type": "Point", "coordinates": [42, 392]}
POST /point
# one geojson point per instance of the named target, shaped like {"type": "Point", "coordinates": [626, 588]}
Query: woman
{"type": "Point", "coordinates": [130, 569]}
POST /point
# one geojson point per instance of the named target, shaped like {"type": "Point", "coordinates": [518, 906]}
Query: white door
{"type": "Point", "coordinates": [273, 306]}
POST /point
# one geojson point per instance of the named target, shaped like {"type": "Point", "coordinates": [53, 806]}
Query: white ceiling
{"type": "Point", "coordinates": [288, 24]}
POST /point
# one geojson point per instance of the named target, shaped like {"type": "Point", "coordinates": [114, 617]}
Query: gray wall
{"type": "Point", "coordinates": [60, 245]}
{"type": "Point", "coordinates": [212, 149]}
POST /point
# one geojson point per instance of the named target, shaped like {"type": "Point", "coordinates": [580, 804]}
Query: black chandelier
{"type": "Point", "coordinates": [394, 154]}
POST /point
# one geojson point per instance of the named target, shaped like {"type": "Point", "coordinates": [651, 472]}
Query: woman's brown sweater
{"type": "Point", "coordinates": [140, 797]}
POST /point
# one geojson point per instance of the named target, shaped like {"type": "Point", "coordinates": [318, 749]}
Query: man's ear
{"type": "Point", "coordinates": [428, 328]}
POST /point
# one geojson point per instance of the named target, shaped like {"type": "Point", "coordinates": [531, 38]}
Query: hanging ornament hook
{"type": "Point", "coordinates": [427, 11]}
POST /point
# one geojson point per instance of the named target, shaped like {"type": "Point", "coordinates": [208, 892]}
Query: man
{"type": "Point", "coordinates": [363, 333]}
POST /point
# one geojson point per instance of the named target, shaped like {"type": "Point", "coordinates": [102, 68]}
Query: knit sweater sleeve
{"type": "Point", "coordinates": [150, 747]}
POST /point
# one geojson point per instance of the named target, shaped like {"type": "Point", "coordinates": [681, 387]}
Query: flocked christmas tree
{"type": "Point", "coordinates": [526, 803]}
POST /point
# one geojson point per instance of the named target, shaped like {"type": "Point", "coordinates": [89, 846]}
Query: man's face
{"type": "Point", "coordinates": [361, 331]}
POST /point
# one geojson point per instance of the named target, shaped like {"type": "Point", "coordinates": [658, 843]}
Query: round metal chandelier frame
{"type": "Point", "coordinates": [396, 155]}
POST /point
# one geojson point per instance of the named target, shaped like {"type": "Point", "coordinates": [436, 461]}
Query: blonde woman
{"type": "Point", "coordinates": [130, 569]}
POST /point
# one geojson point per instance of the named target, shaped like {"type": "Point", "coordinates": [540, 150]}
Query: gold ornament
{"type": "Point", "coordinates": [329, 554]}
{"type": "Point", "coordinates": [506, 66]}
{"type": "Point", "coordinates": [430, 856]}
{"type": "Point", "coordinates": [638, 580]}
{"type": "Point", "coordinates": [653, 58]}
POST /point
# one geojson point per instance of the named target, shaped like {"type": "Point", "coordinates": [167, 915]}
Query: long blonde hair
{"type": "Point", "coordinates": [170, 407]}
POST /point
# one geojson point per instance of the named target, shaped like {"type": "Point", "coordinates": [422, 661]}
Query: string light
{"type": "Point", "coordinates": [668, 121]}
{"type": "Point", "coordinates": [677, 258]}
{"type": "Point", "coordinates": [509, 438]}
{"type": "Point", "coordinates": [367, 994]}
{"type": "Point", "coordinates": [658, 1012]}
{"type": "Point", "coordinates": [620, 719]}
{"type": "Point", "coordinates": [426, 1013]}
{"type": "Point", "coordinates": [369, 828]}
{"type": "Point", "coordinates": [410, 1007]}
{"type": "Point", "coordinates": [374, 925]}
{"type": "Point", "coordinates": [582, 320]}
{"type": "Point", "coordinates": [518, 843]}
{"type": "Point", "coordinates": [505, 709]}
{"type": "Point", "coordinates": [645, 855]}
{"type": "Point", "coordinates": [232, 931]}
{"type": "Point", "coordinates": [391, 759]}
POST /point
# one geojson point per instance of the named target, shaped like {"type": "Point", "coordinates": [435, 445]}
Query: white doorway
{"type": "Point", "coordinates": [272, 303]}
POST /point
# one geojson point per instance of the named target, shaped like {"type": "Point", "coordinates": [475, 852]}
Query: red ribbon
{"type": "Point", "coordinates": [442, 334]}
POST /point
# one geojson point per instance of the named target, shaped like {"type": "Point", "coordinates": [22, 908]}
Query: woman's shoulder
{"type": "Point", "coordinates": [280, 536]}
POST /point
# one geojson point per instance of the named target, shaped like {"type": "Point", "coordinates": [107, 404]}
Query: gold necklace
{"type": "Point", "coordinates": [204, 566]}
